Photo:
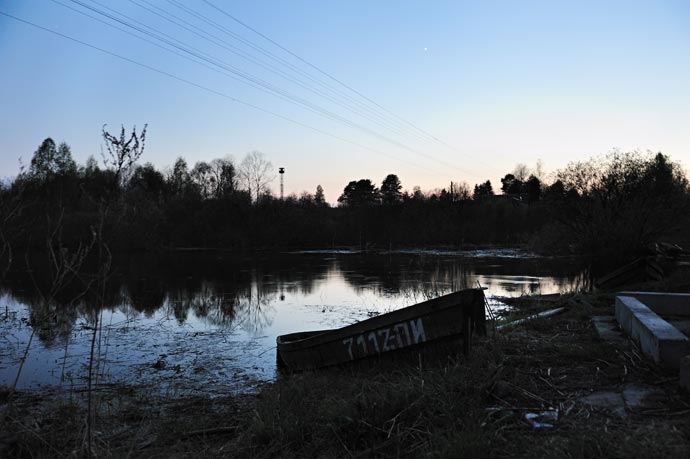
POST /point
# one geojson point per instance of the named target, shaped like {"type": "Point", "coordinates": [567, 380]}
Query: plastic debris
{"type": "Point", "coordinates": [543, 419]}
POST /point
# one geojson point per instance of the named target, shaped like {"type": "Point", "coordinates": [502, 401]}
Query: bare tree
{"type": "Point", "coordinates": [521, 172]}
{"type": "Point", "coordinates": [538, 171]}
{"type": "Point", "coordinates": [202, 176]}
{"type": "Point", "coordinates": [224, 176]}
{"type": "Point", "coordinates": [622, 201]}
{"type": "Point", "coordinates": [256, 173]}
{"type": "Point", "coordinates": [459, 191]}
{"type": "Point", "coordinates": [123, 152]}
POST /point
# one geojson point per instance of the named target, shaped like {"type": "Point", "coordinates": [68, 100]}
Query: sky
{"type": "Point", "coordinates": [433, 91]}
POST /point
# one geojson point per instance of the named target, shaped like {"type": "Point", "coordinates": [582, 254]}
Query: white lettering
{"type": "Point", "coordinates": [348, 343]}
{"type": "Point", "coordinates": [362, 344]}
{"type": "Point", "coordinates": [399, 335]}
{"type": "Point", "coordinates": [390, 339]}
{"type": "Point", "coordinates": [418, 331]}
{"type": "Point", "coordinates": [385, 333]}
{"type": "Point", "coordinates": [372, 338]}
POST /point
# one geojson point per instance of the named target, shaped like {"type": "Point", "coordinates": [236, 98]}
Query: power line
{"type": "Point", "coordinates": [264, 85]}
{"type": "Point", "coordinates": [151, 42]}
{"type": "Point", "coordinates": [174, 19]}
{"type": "Point", "coordinates": [273, 56]}
{"type": "Point", "coordinates": [331, 77]}
{"type": "Point", "coordinates": [209, 90]}
{"type": "Point", "coordinates": [313, 66]}
{"type": "Point", "coordinates": [192, 59]}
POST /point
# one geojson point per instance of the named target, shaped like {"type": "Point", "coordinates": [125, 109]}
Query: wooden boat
{"type": "Point", "coordinates": [449, 320]}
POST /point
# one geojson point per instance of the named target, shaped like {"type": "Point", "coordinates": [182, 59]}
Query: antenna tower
{"type": "Point", "coordinates": [281, 171]}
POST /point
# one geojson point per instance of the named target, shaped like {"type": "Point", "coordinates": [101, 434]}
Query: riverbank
{"type": "Point", "coordinates": [546, 388]}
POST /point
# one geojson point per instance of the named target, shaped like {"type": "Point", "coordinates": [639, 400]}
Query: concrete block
{"type": "Point", "coordinates": [657, 338]}
{"type": "Point", "coordinates": [672, 304]}
{"type": "Point", "coordinates": [607, 329]}
{"type": "Point", "coordinates": [685, 373]}
{"type": "Point", "coordinates": [626, 309]}
{"type": "Point", "coordinates": [609, 400]}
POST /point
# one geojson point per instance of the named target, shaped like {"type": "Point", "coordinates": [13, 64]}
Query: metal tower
{"type": "Point", "coordinates": [281, 171]}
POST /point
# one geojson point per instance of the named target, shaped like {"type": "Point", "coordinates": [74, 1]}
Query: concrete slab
{"type": "Point", "coordinates": [608, 400]}
{"type": "Point", "coordinates": [662, 303]}
{"type": "Point", "coordinates": [657, 338]}
{"type": "Point", "coordinates": [607, 328]}
{"type": "Point", "coordinates": [685, 373]}
{"type": "Point", "coordinates": [625, 308]}
{"type": "Point", "coordinates": [629, 398]}
{"type": "Point", "coordinates": [638, 396]}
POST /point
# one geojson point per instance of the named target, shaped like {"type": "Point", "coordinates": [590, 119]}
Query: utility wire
{"type": "Point", "coordinates": [313, 66]}
{"type": "Point", "coordinates": [267, 87]}
{"type": "Point", "coordinates": [331, 77]}
{"type": "Point", "coordinates": [324, 84]}
{"type": "Point", "coordinates": [209, 90]}
{"type": "Point", "coordinates": [165, 48]}
{"type": "Point", "coordinates": [299, 81]}
{"type": "Point", "coordinates": [218, 68]}
{"type": "Point", "coordinates": [204, 64]}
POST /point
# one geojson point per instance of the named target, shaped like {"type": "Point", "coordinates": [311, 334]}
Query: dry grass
{"type": "Point", "coordinates": [469, 407]}
{"type": "Point", "coordinates": [475, 407]}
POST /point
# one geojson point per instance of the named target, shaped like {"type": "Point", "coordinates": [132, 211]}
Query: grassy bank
{"type": "Point", "coordinates": [464, 407]}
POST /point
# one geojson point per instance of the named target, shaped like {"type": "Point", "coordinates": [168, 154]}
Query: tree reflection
{"type": "Point", "coordinates": [255, 310]}
{"type": "Point", "coordinates": [234, 292]}
{"type": "Point", "coordinates": [146, 295]}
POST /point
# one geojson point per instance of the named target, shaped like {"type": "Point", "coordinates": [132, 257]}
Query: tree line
{"type": "Point", "coordinates": [616, 203]}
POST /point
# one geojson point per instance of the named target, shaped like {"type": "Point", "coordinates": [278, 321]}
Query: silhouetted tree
{"type": "Point", "coordinates": [539, 170]}
{"type": "Point", "coordinates": [49, 161]}
{"type": "Point", "coordinates": [615, 203]}
{"type": "Point", "coordinates": [390, 189]}
{"type": "Point", "coordinates": [96, 182]}
{"type": "Point", "coordinates": [306, 199]}
{"type": "Point", "coordinates": [506, 182]}
{"type": "Point", "coordinates": [147, 180]}
{"type": "Point", "coordinates": [511, 185]}
{"type": "Point", "coordinates": [91, 166]}
{"type": "Point", "coordinates": [533, 189]}
{"type": "Point", "coordinates": [482, 190]}
{"type": "Point", "coordinates": [179, 179]}
{"type": "Point", "coordinates": [521, 172]}
{"type": "Point", "coordinates": [417, 194]}
{"type": "Point", "coordinates": [459, 191]}
{"type": "Point", "coordinates": [555, 191]}
{"type": "Point", "coordinates": [664, 177]}
{"type": "Point", "coordinates": [202, 176]}
{"type": "Point", "coordinates": [256, 173]}
{"type": "Point", "coordinates": [319, 198]}
{"type": "Point", "coordinates": [623, 201]}
{"type": "Point", "coordinates": [359, 193]}
{"type": "Point", "coordinates": [123, 152]}
{"type": "Point", "coordinates": [223, 177]}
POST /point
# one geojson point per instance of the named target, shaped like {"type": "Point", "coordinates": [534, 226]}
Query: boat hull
{"type": "Point", "coordinates": [434, 324]}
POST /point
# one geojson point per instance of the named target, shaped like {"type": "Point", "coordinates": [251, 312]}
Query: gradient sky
{"type": "Point", "coordinates": [496, 82]}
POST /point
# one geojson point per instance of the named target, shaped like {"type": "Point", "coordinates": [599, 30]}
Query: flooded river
{"type": "Point", "coordinates": [194, 323]}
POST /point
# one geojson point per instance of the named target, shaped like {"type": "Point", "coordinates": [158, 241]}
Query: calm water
{"type": "Point", "coordinates": [207, 323]}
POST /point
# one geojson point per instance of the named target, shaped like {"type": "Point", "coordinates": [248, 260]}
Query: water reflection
{"type": "Point", "coordinates": [224, 311]}
{"type": "Point", "coordinates": [231, 292]}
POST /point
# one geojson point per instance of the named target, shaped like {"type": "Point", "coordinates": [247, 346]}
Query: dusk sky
{"type": "Point", "coordinates": [494, 83]}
